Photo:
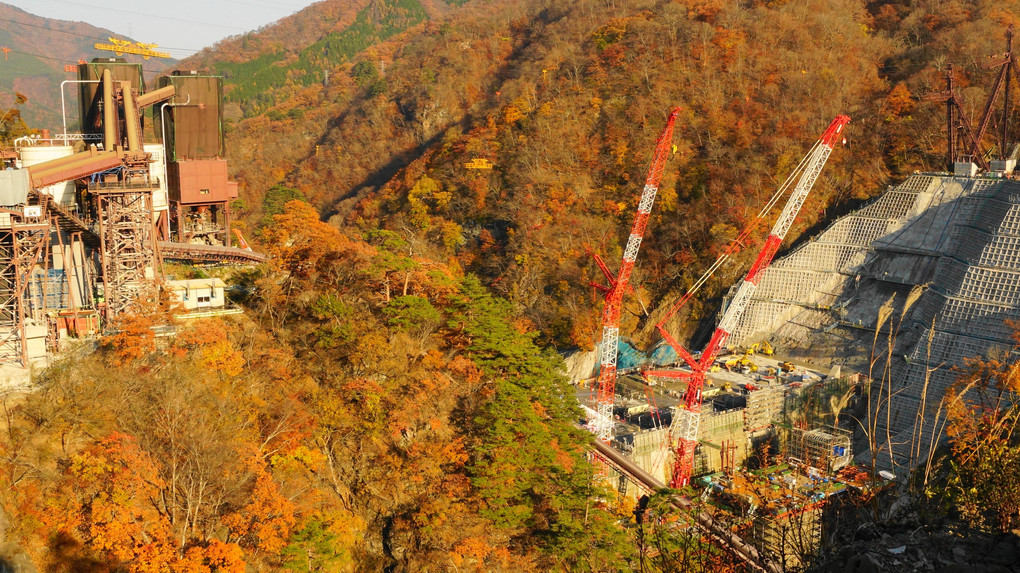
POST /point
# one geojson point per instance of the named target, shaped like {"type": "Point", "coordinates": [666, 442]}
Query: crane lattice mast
{"type": "Point", "coordinates": [684, 426]}
{"type": "Point", "coordinates": [601, 424]}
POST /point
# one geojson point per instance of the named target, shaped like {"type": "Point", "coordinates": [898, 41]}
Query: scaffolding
{"type": "Point", "coordinates": [764, 407]}
{"type": "Point", "coordinates": [127, 235]}
{"type": "Point", "coordinates": [22, 241]}
{"type": "Point", "coordinates": [827, 450]}
{"type": "Point", "coordinates": [789, 536]}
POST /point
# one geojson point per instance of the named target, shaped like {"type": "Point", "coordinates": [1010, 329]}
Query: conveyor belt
{"type": "Point", "coordinates": [718, 531]}
{"type": "Point", "coordinates": [189, 252]}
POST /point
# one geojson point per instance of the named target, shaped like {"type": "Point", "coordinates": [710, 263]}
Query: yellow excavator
{"type": "Point", "coordinates": [740, 364]}
{"type": "Point", "coordinates": [762, 347]}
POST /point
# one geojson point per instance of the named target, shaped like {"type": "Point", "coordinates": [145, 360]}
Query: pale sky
{"type": "Point", "coordinates": [180, 27]}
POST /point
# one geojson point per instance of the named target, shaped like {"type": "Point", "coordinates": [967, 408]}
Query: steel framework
{"type": "Point", "coordinates": [602, 423]}
{"type": "Point", "coordinates": [22, 240]}
{"type": "Point", "coordinates": [128, 243]}
{"type": "Point", "coordinates": [684, 427]}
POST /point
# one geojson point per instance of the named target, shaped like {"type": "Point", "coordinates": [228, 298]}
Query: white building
{"type": "Point", "coordinates": [199, 293]}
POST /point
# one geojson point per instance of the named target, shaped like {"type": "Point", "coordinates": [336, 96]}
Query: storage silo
{"type": "Point", "coordinates": [62, 193]}
{"type": "Point", "coordinates": [90, 94]}
{"type": "Point", "coordinates": [193, 120]}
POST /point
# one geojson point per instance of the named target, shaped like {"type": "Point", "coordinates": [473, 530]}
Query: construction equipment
{"type": "Point", "coordinates": [240, 240]}
{"type": "Point", "coordinates": [602, 423]}
{"type": "Point", "coordinates": [684, 426]}
{"type": "Point", "coordinates": [740, 364]}
{"type": "Point", "coordinates": [759, 347]}
{"type": "Point", "coordinates": [786, 366]}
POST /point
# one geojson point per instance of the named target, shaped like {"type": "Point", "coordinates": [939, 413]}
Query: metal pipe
{"type": "Point", "coordinates": [109, 112]}
{"type": "Point", "coordinates": [26, 139]}
{"type": "Point", "coordinates": [60, 162]}
{"type": "Point", "coordinates": [748, 553]}
{"type": "Point", "coordinates": [81, 167]}
{"type": "Point", "coordinates": [154, 97]}
{"type": "Point", "coordinates": [63, 112]}
{"type": "Point", "coordinates": [635, 470]}
{"type": "Point", "coordinates": [134, 142]}
{"type": "Point", "coordinates": [162, 124]}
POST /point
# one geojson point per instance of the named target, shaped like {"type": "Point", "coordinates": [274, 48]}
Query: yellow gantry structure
{"type": "Point", "coordinates": [121, 47]}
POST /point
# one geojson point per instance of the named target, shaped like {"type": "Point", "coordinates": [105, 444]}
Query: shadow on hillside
{"type": "Point", "coordinates": [510, 70]}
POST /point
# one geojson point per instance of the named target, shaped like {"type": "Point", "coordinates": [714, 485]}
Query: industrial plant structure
{"type": "Point", "coordinates": [87, 218]}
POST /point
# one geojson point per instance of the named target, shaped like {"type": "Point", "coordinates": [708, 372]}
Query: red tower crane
{"type": "Point", "coordinates": [684, 426]}
{"type": "Point", "coordinates": [601, 424]}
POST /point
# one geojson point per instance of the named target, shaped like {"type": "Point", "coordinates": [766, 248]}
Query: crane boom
{"type": "Point", "coordinates": [602, 423]}
{"type": "Point", "coordinates": [684, 426]}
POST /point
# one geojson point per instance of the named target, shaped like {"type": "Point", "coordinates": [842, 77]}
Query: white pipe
{"type": "Point", "coordinates": [63, 112]}
{"type": "Point", "coordinates": [26, 139]}
{"type": "Point", "coordinates": [166, 153]}
{"type": "Point", "coordinates": [162, 124]}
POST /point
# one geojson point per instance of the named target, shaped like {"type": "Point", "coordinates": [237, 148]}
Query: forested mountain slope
{"type": "Point", "coordinates": [566, 98]}
{"type": "Point", "coordinates": [389, 402]}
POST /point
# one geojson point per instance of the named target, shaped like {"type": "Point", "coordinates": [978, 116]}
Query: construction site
{"type": "Point", "coordinates": [827, 370]}
{"type": "Point", "coordinates": [87, 218]}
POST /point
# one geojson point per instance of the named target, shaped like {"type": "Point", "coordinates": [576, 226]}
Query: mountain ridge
{"type": "Point", "coordinates": [37, 73]}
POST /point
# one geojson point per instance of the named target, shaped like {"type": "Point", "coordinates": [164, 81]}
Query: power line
{"type": "Point", "coordinates": [87, 36]}
{"type": "Point", "coordinates": [52, 59]}
{"type": "Point", "coordinates": [268, 4]}
{"type": "Point", "coordinates": [51, 29]}
{"type": "Point", "coordinates": [181, 20]}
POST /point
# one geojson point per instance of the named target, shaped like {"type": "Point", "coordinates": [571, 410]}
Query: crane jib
{"type": "Point", "coordinates": [685, 423]}
{"type": "Point", "coordinates": [602, 423]}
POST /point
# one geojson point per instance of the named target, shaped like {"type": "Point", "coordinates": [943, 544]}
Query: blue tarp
{"type": "Point", "coordinates": [663, 354]}
{"type": "Point", "coordinates": [630, 357]}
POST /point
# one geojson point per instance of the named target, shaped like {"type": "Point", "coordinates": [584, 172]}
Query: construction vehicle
{"type": "Point", "coordinates": [602, 424]}
{"type": "Point", "coordinates": [741, 364]}
{"type": "Point", "coordinates": [786, 366]}
{"type": "Point", "coordinates": [684, 426]}
{"type": "Point", "coordinates": [759, 347]}
{"type": "Point", "coordinates": [240, 239]}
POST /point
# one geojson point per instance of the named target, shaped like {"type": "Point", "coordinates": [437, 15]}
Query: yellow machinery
{"type": "Point", "coordinates": [740, 364]}
{"type": "Point", "coordinates": [763, 347]}
{"type": "Point", "coordinates": [121, 47]}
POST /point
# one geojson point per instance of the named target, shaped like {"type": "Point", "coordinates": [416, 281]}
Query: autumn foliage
{"type": "Point", "coordinates": [565, 102]}
{"type": "Point", "coordinates": [376, 410]}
